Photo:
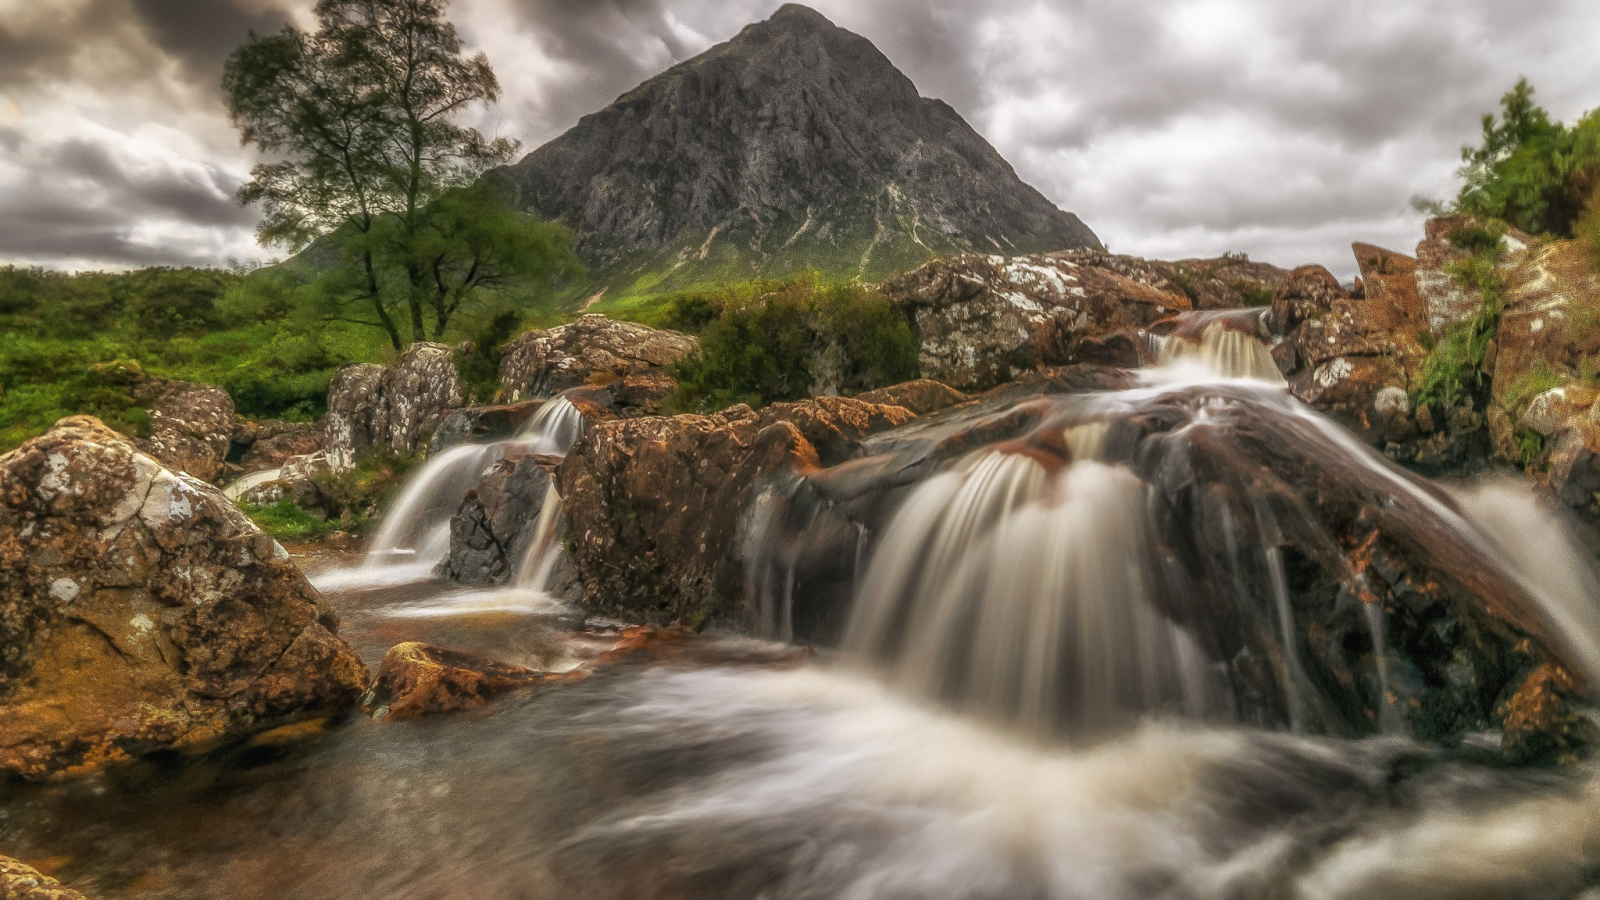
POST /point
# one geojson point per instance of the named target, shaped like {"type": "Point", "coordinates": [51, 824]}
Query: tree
{"type": "Point", "coordinates": [359, 116]}
{"type": "Point", "coordinates": [1531, 171]}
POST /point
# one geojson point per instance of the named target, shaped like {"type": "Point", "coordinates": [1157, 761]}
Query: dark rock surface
{"type": "Point", "coordinates": [482, 424]}
{"type": "Point", "coordinates": [795, 146]}
{"type": "Point", "coordinates": [140, 610]}
{"type": "Point", "coordinates": [491, 533]}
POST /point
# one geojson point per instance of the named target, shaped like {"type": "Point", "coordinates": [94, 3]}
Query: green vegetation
{"type": "Point", "coordinates": [369, 170]}
{"type": "Point", "coordinates": [288, 522]}
{"type": "Point", "coordinates": [1454, 367]}
{"type": "Point", "coordinates": [766, 342]}
{"type": "Point", "coordinates": [1531, 171]}
{"type": "Point", "coordinates": [1254, 293]}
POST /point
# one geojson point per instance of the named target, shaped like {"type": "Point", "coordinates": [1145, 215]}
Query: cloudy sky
{"type": "Point", "coordinates": [1173, 127]}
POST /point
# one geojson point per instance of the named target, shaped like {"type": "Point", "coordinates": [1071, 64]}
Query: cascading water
{"type": "Point", "coordinates": [1079, 575]}
{"type": "Point", "coordinates": [414, 537]}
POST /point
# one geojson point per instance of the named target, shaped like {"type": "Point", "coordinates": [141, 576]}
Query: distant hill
{"type": "Point", "coordinates": [795, 146]}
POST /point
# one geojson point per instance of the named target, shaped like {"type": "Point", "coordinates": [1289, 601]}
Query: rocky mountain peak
{"type": "Point", "coordinates": [795, 146]}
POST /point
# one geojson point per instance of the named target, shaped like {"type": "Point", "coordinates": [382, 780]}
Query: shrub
{"type": "Point", "coordinates": [1479, 239]}
{"type": "Point", "coordinates": [1588, 231]}
{"type": "Point", "coordinates": [1253, 293]}
{"type": "Point", "coordinates": [480, 367]}
{"type": "Point", "coordinates": [773, 342]}
{"type": "Point", "coordinates": [356, 497]}
{"type": "Point", "coordinates": [1454, 367]}
{"type": "Point", "coordinates": [1531, 170]}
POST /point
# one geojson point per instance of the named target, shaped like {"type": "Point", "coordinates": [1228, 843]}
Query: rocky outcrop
{"type": "Point", "coordinates": [794, 145]}
{"type": "Point", "coordinates": [490, 535]}
{"type": "Point", "coordinates": [983, 320]}
{"type": "Point", "coordinates": [1226, 282]}
{"type": "Point", "coordinates": [596, 351]}
{"type": "Point", "coordinates": [191, 425]}
{"type": "Point", "coordinates": [271, 444]}
{"type": "Point", "coordinates": [23, 882]}
{"type": "Point", "coordinates": [295, 480]}
{"type": "Point", "coordinates": [415, 680]}
{"type": "Point", "coordinates": [481, 425]}
{"type": "Point", "coordinates": [140, 610]}
{"type": "Point", "coordinates": [922, 396]}
{"type": "Point", "coordinates": [396, 406]}
{"type": "Point", "coordinates": [654, 505]}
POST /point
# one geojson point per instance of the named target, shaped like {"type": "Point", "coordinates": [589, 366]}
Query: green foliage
{"type": "Point", "coordinates": [480, 367]}
{"type": "Point", "coordinates": [1530, 384]}
{"type": "Point", "coordinates": [1253, 293]}
{"type": "Point", "coordinates": [368, 162]}
{"type": "Point", "coordinates": [287, 522]}
{"type": "Point", "coordinates": [1484, 240]}
{"type": "Point", "coordinates": [1588, 232]}
{"type": "Point", "coordinates": [1454, 367]}
{"type": "Point", "coordinates": [355, 498]}
{"type": "Point", "coordinates": [770, 342]}
{"type": "Point", "coordinates": [1531, 171]}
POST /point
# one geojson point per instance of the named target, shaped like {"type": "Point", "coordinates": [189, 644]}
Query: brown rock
{"type": "Point", "coordinates": [23, 882]}
{"type": "Point", "coordinates": [922, 396]}
{"type": "Point", "coordinates": [594, 350]}
{"type": "Point", "coordinates": [191, 426]}
{"type": "Point", "coordinates": [482, 424]}
{"type": "Point", "coordinates": [278, 442]}
{"type": "Point", "coordinates": [834, 426]}
{"type": "Point", "coordinates": [140, 610]}
{"type": "Point", "coordinates": [415, 680]}
{"type": "Point", "coordinates": [1219, 283]}
{"type": "Point", "coordinates": [984, 320]}
{"type": "Point", "coordinates": [1543, 722]}
{"type": "Point", "coordinates": [354, 398]}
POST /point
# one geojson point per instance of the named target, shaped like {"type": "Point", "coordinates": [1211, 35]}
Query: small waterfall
{"type": "Point", "coordinates": [544, 553]}
{"type": "Point", "coordinates": [414, 536]}
{"type": "Point", "coordinates": [1026, 593]}
{"type": "Point", "coordinates": [1219, 346]}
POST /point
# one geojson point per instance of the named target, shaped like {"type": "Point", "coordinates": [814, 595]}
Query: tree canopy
{"type": "Point", "coordinates": [1531, 171]}
{"type": "Point", "coordinates": [367, 160]}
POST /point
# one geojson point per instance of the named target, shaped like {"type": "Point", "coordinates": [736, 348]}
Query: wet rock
{"type": "Point", "coordinates": [191, 426]}
{"type": "Point", "coordinates": [922, 396]}
{"type": "Point", "coordinates": [1574, 466]}
{"type": "Point", "coordinates": [295, 480]}
{"type": "Point", "coordinates": [482, 425]}
{"type": "Point", "coordinates": [23, 882]}
{"type": "Point", "coordinates": [395, 406]}
{"type": "Point", "coordinates": [984, 320]}
{"type": "Point", "coordinates": [416, 680]}
{"type": "Point", "coordinates": [275, 443]}
{"type": "Point", "coordinates": [1542, 722]}
{"type": "Point", "coordinates": [595, 350]}
{"type": "Point", "coordinates": [490, 535]}
{"type": "Point", "coordinates": [653, 505]}
{"type": "Point", "coordinates": [143, 611]}
{"type": "Point", "coordinates": [1249, 511]}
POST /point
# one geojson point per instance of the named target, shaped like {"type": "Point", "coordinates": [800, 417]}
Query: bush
{"type": "Point", "coordinates": [771, 342]}
{"type": "Point", "coordinates": [480, 367]}
{"type": "Point", "coordinates": [1531, 171]}
{"type": "Point", "coordinates": [1253, 293]}
{"type": "Point", "coordinates": [356, 497]}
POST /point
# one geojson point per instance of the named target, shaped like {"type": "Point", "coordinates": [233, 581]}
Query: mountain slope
{"type": "Point", "coordinates": [794, 146]}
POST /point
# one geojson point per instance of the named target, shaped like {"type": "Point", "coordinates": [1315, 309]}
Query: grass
{"type": "Point", "coordinates": [286, 521]}
{"type": "Point", "coordinates": [1454, 367]}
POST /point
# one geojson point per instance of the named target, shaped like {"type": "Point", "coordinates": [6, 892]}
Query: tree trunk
{"type": "Point", "coordinates": [377, 302]}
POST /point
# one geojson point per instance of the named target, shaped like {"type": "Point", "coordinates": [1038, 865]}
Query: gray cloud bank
{"type": "Point", "coordinates": [1286, 130]}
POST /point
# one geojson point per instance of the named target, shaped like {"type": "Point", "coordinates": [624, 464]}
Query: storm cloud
{"type": "Point", "coordinates": [1173, 128]}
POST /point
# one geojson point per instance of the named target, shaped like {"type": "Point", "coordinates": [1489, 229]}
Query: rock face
{"type": "Point", "coordinates": [922, 396]}
{"type": "Point", "coordinates": [984, 320]}
{"type": "Point", "coordinates": [394, 406]}
{"type": "Point", "coordinates": [598, 351]}
{"type": "Point", "coordinates": [274, 443]}
{"type": "Point", "coordinates": [191, 426]}
{"type": "Point", "coordinates": [653, 505]}
{"type": "Point", "coordinates": [1227, 282]}
{"type": "Point", "coordinates": [492, 531]}
{"type": "Point", "coordinates": [20, 882]}
{"type": "Point", "coordinates": [795, 146]}
{"type": "Point", "coordinates": [140, 610]}
{"type": "Point", "coordinates": [481, 424]}
{"type": "Point", "coordinates": [415, 680]}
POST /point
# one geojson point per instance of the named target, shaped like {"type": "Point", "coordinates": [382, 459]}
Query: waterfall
{"type": "Point", "coordinates": [1027, 594]}
{"type": "Point", "coordinates": [414, 536]}
{"type": "Point", "coordinates": [1217, 345]}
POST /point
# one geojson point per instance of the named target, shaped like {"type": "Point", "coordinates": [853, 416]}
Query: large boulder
{"type": "Point", "coordinates": [922, 396]}
{"type": "Point", "coordinates": [191, 425]}
{"type": "Point", "coordinates": [984, 320]}
{"type": "Point", "coordinates": [140, 610]}
{"type": "Point", "coordinates": [397, 406]}
{"type": "Point", "coordinates": [415, 680]}
{"type": "Point", "coordinates": [595, 350]}
{"type": "Point", "coordinates": [654, 505]}
{"type": "Point", "coordinates": [1230, 281]}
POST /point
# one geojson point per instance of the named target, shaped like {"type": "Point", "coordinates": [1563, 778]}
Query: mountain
{"type": "Point", "coordinates": [795, 146]}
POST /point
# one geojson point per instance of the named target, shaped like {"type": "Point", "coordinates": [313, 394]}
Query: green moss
{"type": "Point", "coordinates": [287, 522]}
